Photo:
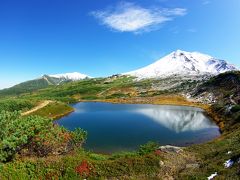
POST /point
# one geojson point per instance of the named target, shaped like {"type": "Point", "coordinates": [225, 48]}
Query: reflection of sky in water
{"type": "Point", "coordinates": [178, 119]}
{"type": "Point", "coordinates": [175, 118]}
{"type": "Point", "coordinates": [115, 127]}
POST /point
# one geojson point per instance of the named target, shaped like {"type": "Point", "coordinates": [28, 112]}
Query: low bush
{"type": "Point", "coordinates": [34, 136]}
{"type": "Point", "coordinates": [78, 136]}
{"type": "Point", "coordinates": [17, 131]}
{"type": "Point", "coordinates": [15, 105]}
{"type": "Point", "coordinates": [148, 148]}
{"type": "Point", "coordinates": [235, 108]}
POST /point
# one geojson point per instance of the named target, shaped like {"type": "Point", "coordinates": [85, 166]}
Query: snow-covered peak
{"type": "Point", "coordinates": [191, 55]}
{"type": "Point", "coordinates": [183, 63]}
{"type": "Point", "coordinates": [75, 76]}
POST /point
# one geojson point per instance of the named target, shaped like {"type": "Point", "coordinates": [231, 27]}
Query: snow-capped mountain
{"type": "Point", "coordinates": [75, 76]}
{"type": "Point", "coordinates": [183, 63]}
{"type": "Point", "coordinates": [45, 81]}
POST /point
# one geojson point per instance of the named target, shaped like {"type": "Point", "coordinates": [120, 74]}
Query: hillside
{"type": "Point", "coordinates": [180, 71]}
{"type": "Point", "coordinates": [27, 87]}
{"type": "Point", "coordinates": [223, 92]}
{"type": "Point", "coordinates": [115, 87]}
{"type": "Point", "coordinates": [196, 161]}
{"type": "Point", "coordinates": [223, 88]}
{"type": "Point", "coordinates": [41, 83]}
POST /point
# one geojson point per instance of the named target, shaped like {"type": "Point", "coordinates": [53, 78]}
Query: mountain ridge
{"type": "Point", "coordinates": [42, 82]}
{"type": "Point", "coordinates": [183, 63]}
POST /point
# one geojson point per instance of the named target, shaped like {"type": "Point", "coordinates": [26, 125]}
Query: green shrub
{"type": "Point", "coordinates": [117, 95]}
{"type": "Point", "coordinates": [97, 157]}
{"type": "Point", "coordinates": [15, 105]}
{"type": "Point", "coordinates": [148, 148]}
{"type": "Point", "coordinates": [17, 131]}
{"type": "Point", "coordinates": [128, 166]}
{"type": "Point", "coordinates": [235, 108]}
{"type": "Point", "coordinates": [79, 136]}
{"type": "Point", "coordinates": [34, 135]}
{"type": "Point", "coordinates": [123, 155]}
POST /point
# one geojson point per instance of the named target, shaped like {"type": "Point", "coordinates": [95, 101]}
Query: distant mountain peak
{"type": "Point", "coordinates": [43, 82]}
{"type": "Point", "coordinates": [183, 63]}
{"type": "Point", "coordinates": [75, 76]}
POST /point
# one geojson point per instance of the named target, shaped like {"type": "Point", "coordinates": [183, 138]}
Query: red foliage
{"type": "Point", "coordinates": [157, 152]}
{"type": "Point", "coordinates": [84, 168]}
{"type": "Point", "coordinates": [67, 136]}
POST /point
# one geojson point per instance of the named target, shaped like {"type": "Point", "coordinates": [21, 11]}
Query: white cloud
{"type": "Point", "coordinates": [128, 17]}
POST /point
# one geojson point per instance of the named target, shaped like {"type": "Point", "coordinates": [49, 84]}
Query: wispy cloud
{"type": "Point", "coordinates": [129, 17]}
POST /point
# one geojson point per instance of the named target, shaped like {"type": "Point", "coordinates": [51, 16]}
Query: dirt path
{"type": "Point", "coordinates": [40, 106]}
{"type": "Point", "coordinates": [104, 91]}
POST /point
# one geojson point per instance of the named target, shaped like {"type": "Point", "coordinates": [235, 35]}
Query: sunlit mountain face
{"type": "Point", "coordinates": [183, 63]}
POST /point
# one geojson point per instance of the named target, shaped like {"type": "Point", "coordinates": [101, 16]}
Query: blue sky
{"type": "Point", "coordinates": [100, 38]}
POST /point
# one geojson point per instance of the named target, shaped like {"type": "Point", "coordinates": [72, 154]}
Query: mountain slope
{"type": "Point", "coordinates": [41, 83]}
{"type": "Point", "coordinates": [25, 87]}
{"type": "Point", "coordinates": [184, 64]}
{"type": "Point", "coordinates": [224, 88]}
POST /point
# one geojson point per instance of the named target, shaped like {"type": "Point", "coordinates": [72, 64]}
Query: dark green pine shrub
{"type": "Point", "coordinates": [235, 108]}
{"type": "Point", "coordinates": [34, 136]}
{"type": "Point", "coordinates": [78, 137]}
{"type": "Point", "coordinates": [15, 105]}
{"type": "Point", "coordinates": [17, 131]}
{"type": "Point", "coordinates": [148, 148]}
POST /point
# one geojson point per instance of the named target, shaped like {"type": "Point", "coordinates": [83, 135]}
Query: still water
{"type": "Point", "coordinates": [120, 127]}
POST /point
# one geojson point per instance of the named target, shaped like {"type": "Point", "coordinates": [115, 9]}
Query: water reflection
{"type": "Point", "coordinates": [116, 127]}
{"type": "Point", "coordinates": [178, 119]}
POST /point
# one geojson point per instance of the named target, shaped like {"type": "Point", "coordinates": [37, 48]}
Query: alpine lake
{"type": "Point", "coordinates": [124, 127]}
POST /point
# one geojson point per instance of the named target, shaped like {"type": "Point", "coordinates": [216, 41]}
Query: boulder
{"type": "Point", "coordinates": [168, 148]}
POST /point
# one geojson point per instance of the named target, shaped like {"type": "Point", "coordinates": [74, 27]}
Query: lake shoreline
{"type": "Point", "coordinates": [160, 117]}
{"type": "Point", "coordinates": [167, 100]}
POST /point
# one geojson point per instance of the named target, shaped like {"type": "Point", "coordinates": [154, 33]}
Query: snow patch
{"type": "Point", "coordinates": [228, 163]}
{"type": "Point", "coordinates": [212, 176]}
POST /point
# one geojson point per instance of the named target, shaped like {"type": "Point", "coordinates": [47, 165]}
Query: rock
{"type": "Point", "coordinates": [161, 163]}
{"type": "Point", "coordinates": [229, 152]}
{"type": "Point", "coordinates": [169, 148]}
